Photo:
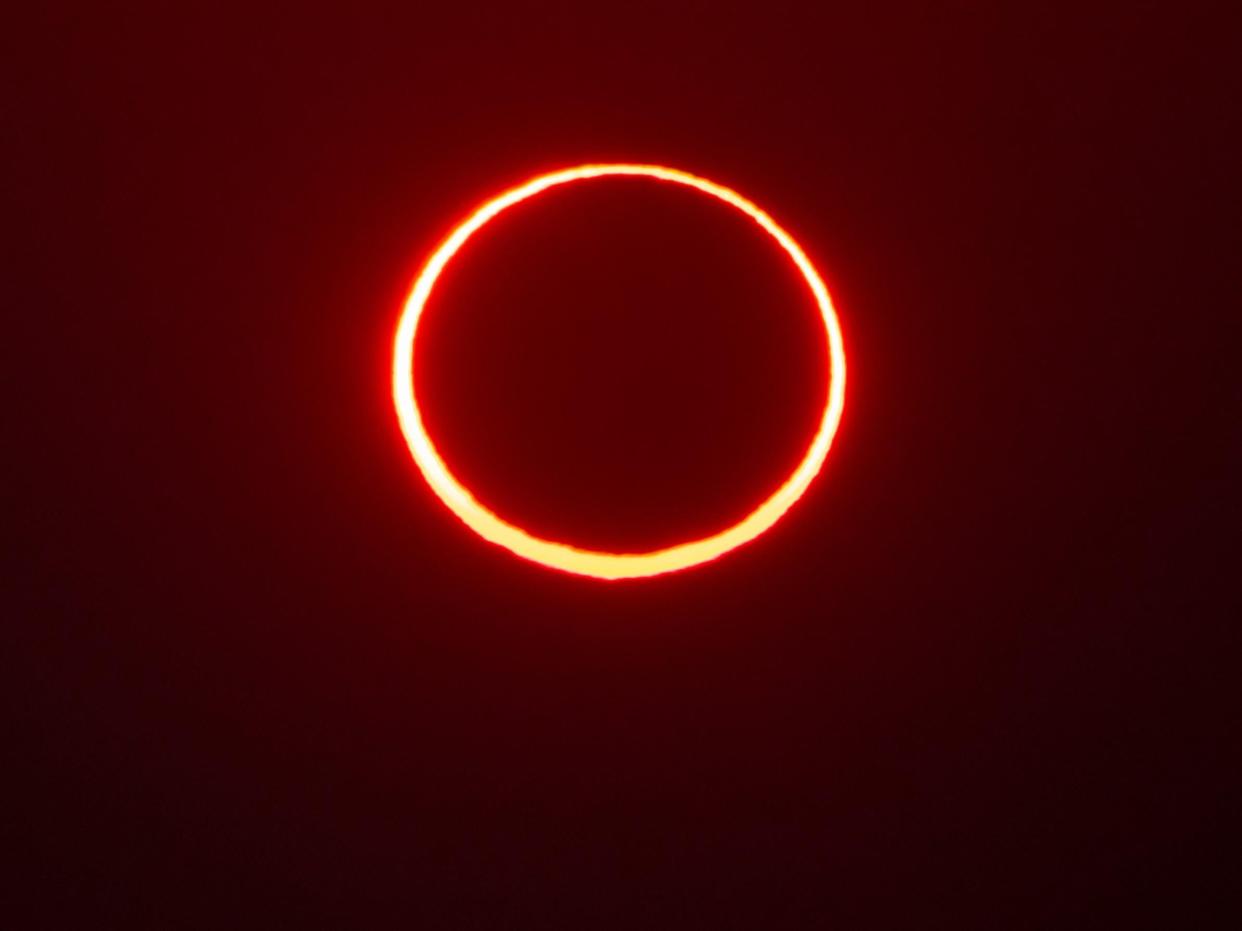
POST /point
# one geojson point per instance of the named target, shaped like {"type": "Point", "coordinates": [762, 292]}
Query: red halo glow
{"type": "Point", "coordinates": [564, 556]}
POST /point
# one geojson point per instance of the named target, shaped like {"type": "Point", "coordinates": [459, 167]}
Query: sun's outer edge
{"type": "Point", "coordinates": [563, 556]}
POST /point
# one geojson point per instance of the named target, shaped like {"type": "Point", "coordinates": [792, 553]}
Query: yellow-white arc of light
{"type": "Point", "coordinates": [563, 556]}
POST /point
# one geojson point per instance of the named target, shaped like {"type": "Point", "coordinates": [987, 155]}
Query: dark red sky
{"type": "Point", "coordinates": [984, 674]}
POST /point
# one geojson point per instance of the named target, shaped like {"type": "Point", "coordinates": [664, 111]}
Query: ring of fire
{"type": "Point", "coordinates": [563, 556]}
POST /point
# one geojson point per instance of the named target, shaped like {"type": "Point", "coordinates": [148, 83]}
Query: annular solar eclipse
{"type": "Point", "coordinates": [564, 555]}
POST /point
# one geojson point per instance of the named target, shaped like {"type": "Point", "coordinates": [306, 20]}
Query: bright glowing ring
{"type": "Point", "coordinates": [561, 555]}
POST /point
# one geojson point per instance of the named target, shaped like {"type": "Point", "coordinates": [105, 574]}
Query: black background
{"type": "Point", "coordinates": [985, 673]}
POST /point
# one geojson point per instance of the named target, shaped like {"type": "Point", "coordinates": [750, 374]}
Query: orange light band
{"type": "Point", "coordinates": [564, 556]}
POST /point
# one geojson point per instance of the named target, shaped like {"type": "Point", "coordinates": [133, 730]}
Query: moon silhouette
{"type": "Point", "coordinates": [561, 555]}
